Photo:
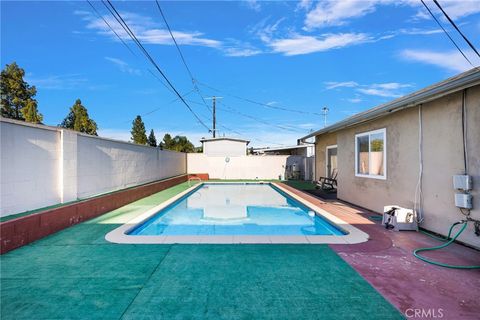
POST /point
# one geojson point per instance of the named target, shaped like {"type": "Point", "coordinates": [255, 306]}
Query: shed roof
{"type": "Point", "coordinates": [223, 138]}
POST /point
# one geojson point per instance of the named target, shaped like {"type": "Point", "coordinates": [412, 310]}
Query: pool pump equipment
{"type": "Point", "coordinates": [397, 218]}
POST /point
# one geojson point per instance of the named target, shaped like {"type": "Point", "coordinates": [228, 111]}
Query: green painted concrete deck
{"type": "Point", "coordinates": [76, 274]}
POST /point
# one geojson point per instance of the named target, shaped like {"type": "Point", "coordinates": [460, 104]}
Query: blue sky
{"type": "Point", "coordinates": [349, 56]}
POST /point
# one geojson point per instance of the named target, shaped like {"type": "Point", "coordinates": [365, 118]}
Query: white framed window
{"type": "Point", "coordinates": [371, 155]}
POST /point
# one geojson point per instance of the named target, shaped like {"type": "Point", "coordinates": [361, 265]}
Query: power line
{"type": "Point", "coordinates": [235, 111]}
{"type": "Point", "coordinates": [159, 108]}
{"type": "Point", "coordinates": [181, 55]}
{"type": "Point", "coordinates": [113, 30]}
{"type": "Point", "coordinates": [455, 26]}
{"type": "Point", "coordinates": [127, 29]}
{"type": "Point", "coordinates": [445, 31]}
{"type": "Point", "coordinates": [126, 45]}
{"type": "Point", "coordinates": [261, 103]}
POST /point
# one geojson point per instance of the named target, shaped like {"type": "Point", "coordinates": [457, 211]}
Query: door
{"type": "Point", "coordinates": [331, 161]}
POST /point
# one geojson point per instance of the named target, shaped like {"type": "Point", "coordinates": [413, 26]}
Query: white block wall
{"type": "Point", "coordinates": [106, 165]}
{"type": "Point", "coordinates": [42, 166]}
{"type": "Point", "coordinates": [29, 168]}
{"type": "Point", "coordinates": [243, 167]}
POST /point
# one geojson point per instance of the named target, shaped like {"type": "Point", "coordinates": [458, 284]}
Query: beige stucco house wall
{"type": "Point", "coordinates": [442, 158]}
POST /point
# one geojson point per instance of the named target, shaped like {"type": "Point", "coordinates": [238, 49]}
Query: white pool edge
{"type": "Point", "coordinates": [119, 235]}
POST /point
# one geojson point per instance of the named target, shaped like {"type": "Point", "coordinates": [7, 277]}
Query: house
{"type": "Point", "coordinates": [223, 146]}
{"type": "Point", "coordinates": [405, 152]}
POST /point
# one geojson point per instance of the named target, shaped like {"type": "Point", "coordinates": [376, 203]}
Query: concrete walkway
{"type": "Point", "coordinates": [386, 262]}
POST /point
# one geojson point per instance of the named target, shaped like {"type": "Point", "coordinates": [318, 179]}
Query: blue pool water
{"type": "Point", "coordinates": [236, 209]}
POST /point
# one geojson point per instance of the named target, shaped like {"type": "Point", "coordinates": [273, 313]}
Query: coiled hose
{"type": "Point", "coordinates": [416, 251]}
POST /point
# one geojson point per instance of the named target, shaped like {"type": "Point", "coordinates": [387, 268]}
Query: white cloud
{"type": "Point", "coordinates": [450, 60]}
{"type": "Point", "coordinates": [355, 100]}
{"type": "Point", "coordinates": [236, 48]}
{"type": "Point", "coordinates": [252, 4]}
{"type": "Point", "coordinates": [123, 66]}
{"type": "Point", "coordinates": [456, 9]}
{"type": "Point", "coordinates": [391, 85]}
{"type": "Point", "coordinates": [299, 44]}
{"type": "Point", "coordinates": [304, 5]}
{"type": "Point", "coordinates": [345, 84]}
{"type": "Point", "coordinates": [241, 52]}
{"type": "Point", "coordinates": [388, 89]}
{"type": "Point", "coordinates": [146, 30]}
{"type": "Point", "coordinates": [378, 92]}
{"type": "Point", "coordinates": [265, 32]}
{"type": "Point", "coordinates": [58, 82]}
{"type": "Point", "coordinates": [333, 12]}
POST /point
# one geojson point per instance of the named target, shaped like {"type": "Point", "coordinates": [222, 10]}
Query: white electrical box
{"type": "Point", "coordinates": [463, 200]}
{"type": "Point", "coordinates": [462, 182]}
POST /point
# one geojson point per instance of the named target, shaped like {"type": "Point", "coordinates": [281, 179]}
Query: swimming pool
{"type": "Point", "coordinates": [235, 213]}
{"type": "Point", "coordinates": [231, 209]}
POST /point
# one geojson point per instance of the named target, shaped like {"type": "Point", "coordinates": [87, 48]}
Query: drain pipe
{"type": "Point", "coordinates": [418, 189]}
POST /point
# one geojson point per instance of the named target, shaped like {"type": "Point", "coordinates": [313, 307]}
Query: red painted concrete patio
{"type": "Point", "coordinates": [387, 263]}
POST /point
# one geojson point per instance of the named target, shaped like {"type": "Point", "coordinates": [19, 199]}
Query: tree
{"type": "Point", "coordinates": [152, 141]}
{"type": "Point", "coordinates": [179, 143]}
{"type": "Point", "coordinates": [30, 112]}
{"type": "Point", "coordinates": [17, 96]}
{"type": "Point", "coordinates": [79, 120]}
{"type": "Point", "coordinates": [167, 142]}
{"type": "Point", "coordinates": [182, 144]}
{"type": "Point", "coordinates": [138, 131]}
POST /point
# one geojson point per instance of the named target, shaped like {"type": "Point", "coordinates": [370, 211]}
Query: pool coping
{"type": "Point", "coordinates": [353, 236]}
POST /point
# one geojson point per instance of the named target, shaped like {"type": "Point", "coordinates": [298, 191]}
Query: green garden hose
{"type": "Point", "coordinates": [441, 238]}
{"type": "Point", "coordinates": [416, 251]}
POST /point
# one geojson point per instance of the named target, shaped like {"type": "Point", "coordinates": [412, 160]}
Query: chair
{"type": "Point", "coordinates": [328, 184]}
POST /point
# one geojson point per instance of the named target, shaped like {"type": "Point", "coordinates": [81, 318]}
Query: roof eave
{"type": "Point", "coordinates": [462, 81]}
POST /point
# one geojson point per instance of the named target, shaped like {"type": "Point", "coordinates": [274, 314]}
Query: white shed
{"type": "Point", "coordinates": [224, 147]}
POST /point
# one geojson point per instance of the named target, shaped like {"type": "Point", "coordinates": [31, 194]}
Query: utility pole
{"type": "Point", "coordinates": [214, 99]}
{"type": "Point", "coordinates": [214, 114]}
{"type": "Point", "coordinates": [325, 112]}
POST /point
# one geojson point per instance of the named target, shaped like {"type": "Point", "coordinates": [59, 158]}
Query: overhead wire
{"type": "Point", "coordinates": [456, 28]}
{"type": "Point", "coordinates": [235, 111]}
{"type": "Point", "coordinates": [445, 31]}
{"type": "Point", "coordinates": [127, 29]}
{"type": "Point", "coordinates": [236, 131]}
{"type": "Point", "coordinates": [194, 83]}
{"type": "Point", "coordinates": [266, 105]}
{"type": "Point", "coordinates": [170, 86]}
{"type": "Point", "coordinates": [111, 28]}
{"type": "Point", "coordinates": [124, 43]}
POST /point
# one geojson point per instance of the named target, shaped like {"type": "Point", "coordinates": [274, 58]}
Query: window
{"type": "Point", "coordinates": [370, 154]}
